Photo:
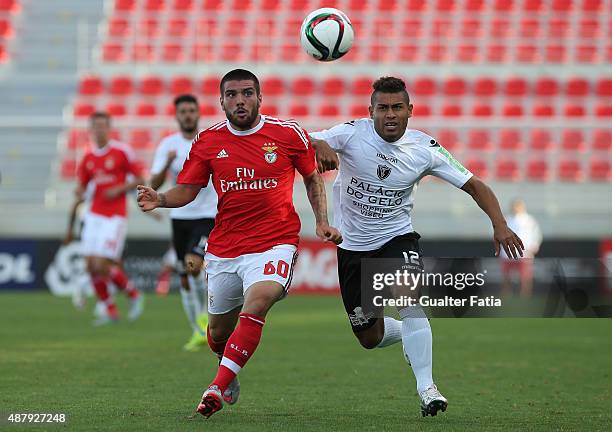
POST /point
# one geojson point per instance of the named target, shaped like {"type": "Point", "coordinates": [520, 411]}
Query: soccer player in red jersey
{"type": "Point", "coordinates": [252, 248]}
{"type": "Point", "coordinates": [104, 172]}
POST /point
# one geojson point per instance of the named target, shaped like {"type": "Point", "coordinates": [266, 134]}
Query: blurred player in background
{"type": "Point", "coordinates": [528, 230]}
{"type": "Point", "coordinates": [191, 224]}
{"type": "Point", "coordinates": [104, 172]}
{"type": "Point", "coordinates": [252, 249]}
{"type": "Point", "coordinates": [165, 274]}
{"type": "Point", "coordinates": [383, 160]}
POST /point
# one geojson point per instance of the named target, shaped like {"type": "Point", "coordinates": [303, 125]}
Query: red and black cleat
{"type": "Point", "coordinates": [212, 401]}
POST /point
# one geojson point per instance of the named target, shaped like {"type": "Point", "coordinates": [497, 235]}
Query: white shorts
{"type": "Point", "coordinates": [230, 278]}
{"type": "Point", "coordinates": [103, 236]}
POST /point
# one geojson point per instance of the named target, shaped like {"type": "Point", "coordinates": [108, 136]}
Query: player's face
{"type": "Point", "coordinates": [241, 103]}
{"type": "Point", "coordinates": [187, 116]}
{"type": "Point", "coordinates": [390, 112]}
{"type": "Point", "coordinates": [100, 129]}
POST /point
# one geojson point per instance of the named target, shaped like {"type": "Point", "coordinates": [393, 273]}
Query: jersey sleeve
{"type": "Point", "coordinates": [303, 154]}
{"type": "Point", "coordinates": [160, 158]}
{"type": "Point", "coordinates": [445, 166]}
{"type": "Point", "coordinates": [196, 169]}
{"type": "Point", "coordinates": [337, 136]}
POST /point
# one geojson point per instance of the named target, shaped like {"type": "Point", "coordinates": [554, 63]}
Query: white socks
{"type": "Point", "coordinates": [393, 332]}
{"type": "Point", "coordinates": [192, 307]}
{"type": "Point", "coordinates": [416, 338]}
{"type": "Point", "coordinates": [200, 287]}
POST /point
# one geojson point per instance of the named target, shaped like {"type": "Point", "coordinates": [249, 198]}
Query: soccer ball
{"type": "Point", "coordinates": [326, 34]}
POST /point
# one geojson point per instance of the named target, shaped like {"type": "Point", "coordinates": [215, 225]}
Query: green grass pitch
{"type": "Point", "coordinates": [309, 373]}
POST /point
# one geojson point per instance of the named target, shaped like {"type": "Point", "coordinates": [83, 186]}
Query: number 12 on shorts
{"type": "Point", "coordinates": [281, 268]}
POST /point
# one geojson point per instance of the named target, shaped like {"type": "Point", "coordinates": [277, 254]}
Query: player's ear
{"type": "Point", "coordinates": [410, 110]}
{"type": "Point", "coordinates": [371, 111]}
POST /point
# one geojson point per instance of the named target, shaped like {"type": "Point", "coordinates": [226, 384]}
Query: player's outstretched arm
{"type": "Point", "coordinates": [487, 201]}
{"type": "Point", "coordinates": [327, 159]}
{"type": "Point", "coordinates": [158, 179]}
{"type": "Point", "coordinates": [315, 188]}
{"type": "Point", "coordinates": [178, 196]}
{"type": "Point", "coordinates": [72, 216]}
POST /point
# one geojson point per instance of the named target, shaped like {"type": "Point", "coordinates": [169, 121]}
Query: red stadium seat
{"type": "Point", "coordinates": [540, 140]}
{"type": "Point", "coordinates": [474, 5]}
{"type": "Point", "coordinates": [77, 138]}
{"type": "Point", "coordinates": [333, 86]}
{"type": "Point", "coordinates": [600, 170]}
{"type": "Point", "coordinates": [210, 86]}
{"type": "Point", "coordinates": [68, 169]}
{"type": "Point", "coordinates": [532, 5]}
{"type": "Point", "coordinates": [83, 110]}
{"type": "Point", "coordinates": [445, 5]}
{"type": "Point", "coordinates": [329, 110]}
{"type": "Point", "coordinates": [119, 27]}
{"type": "Point", "coordinates": [437, 53]}
{"type": "Point", "coordinates": [202, 52]}
{"type": "Point", "coordinates": [140, 139]}
{"type": "Point", "coordinates": [241, 5]}
{"type": "Point", "coordinates": [90, 85]}
{"type": "Point", "coordinates": [454, 87]}
{"type": "Point", "coordinates": [177, 28]}
{"type": "Point", "coordinates": [207, 27]}
{"type": "Point", "coordinates": [515, 87]}
{"type": "Point", "coordinates": [208, 110]}
{"type": "Point", "coordinates": [558, 28]}
{"type": "Point", "coordinates": [212, 5]}
{"type": "Point", "coordinates": [359, 110]}
{"type": "Point", "coordinates": [577, 87]}
{"type": "Point", "coordinates": [292, 53]}
{"type": "Point", "coordinates": [500, 28]}
{"type": "Point", "coordinates": [361, 86]}
{"type": "Point", "coordinates": [572, 140]}
{"type": "Point", "coordinates": [270, 5]}
{"type": "Point", "coordinates": [452, 110]}
{"type": "Point", "coordinates": [543, 110]}
{"type": "Point", "coordinates": [151, 86]}
{"type": "Point", "coordinates": [298, 110]}
{"type": "Point", "coordinates": [154, 5]}
{"type": "Point", "coordinates": [181, 85]}
{"type": "Point", "coordinates": [387, 5]}
{"type": "Point", "coordinates": [527, 53]}
{"type": "Point", "coordinates": [503, 5]}
{"type": "Point", "coordinates": [266, 27]}
{"type": "Point", "coordinates": [603, 110]}
{"type": "Point", "coordinates": [485, 87]}
{"type": "Point", "coordinates": [273, 86]}
{"type": "Point", "coordinates": [142, 52]}
{"type": "Point", "coordinates": [113, 53]}
{"type": "Point", "coordinates": [424, 86]}
{"type": "Point", "coordinates": [231, 52]}
{"type": "Point", "coordinates": [537, 170]}
{"type": "Point", "coordinates": [358, 5]}
{"type": "Point", "coordinates": [555, 54]}
{"type": "Point", "coordinates": [467, 53]}
{"type": "Point", "coordinates": [586, 53]}
{"type": "Point", "coordinates": [170, 110]}
{"type": "Point", "coordinates": [303, 86]}
{"type": "Point", "coordinates": [116, 109]}
{"type": "Point", "coordinates": [482, 110]}
{"type": "Point", "coordinates": [529, 28]}
{"type": "Point", "coordinates": [562, 5]}
{"type": "Point", "coordinates": [298, 5]}
{"type": "Point", "coordinates": [477, 167]}
{"type": "Point", "coordinates": [182, 5]}
{"type": "Point", "coordinates": [512, 110]}
{"type": "Point", "coordinates": [172, 53]}
{"type": "Point", "coordinates": [270, 110]}
{"type": "Point", "coordinates": [421, 110]}
{"type": "Point", "coordinates": [125, 5]}
{"type": "Point", "coordinates": [235, 27]}
{"type": "Point", "coordinates": [604, 87]}
{"type": "Point", "coordinates": [441, 28]}
{"type": "Point", "coordinates": [408, 53]}
{"type": "Point", "coordinates": [479, 140]}
{"type": "Point", "coordinates": [510, 140]}
{"type": "Point", "coordinates": [591, 5]}
{"type": "Point", "coordinates": [148, 27]}
{"type": "Point", "coordinates": [497, 53]}
{"type": "Point", "coordinates": [449, 139]}
{"type": "Point", "coordinates": [262, 53]}
{"type": "Point", "coordinates": [569, 170]}
{"type": "Point", "coordinates": [121, 86]}
{"type": "Point", "coordinates": [589, 29]}
{"type": "Point", "coordinates": [506, 169]}
{"type": "Point", "coordinates": [574, 110]}
{"type": "Point", "coordinates": [416, 5]}
{"type": "Point", "coordinates": [602, 140]}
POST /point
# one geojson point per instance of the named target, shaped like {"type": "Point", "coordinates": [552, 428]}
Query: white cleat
{"type": "Point", "coordinates": [432, 401]}
{"type": "Point", "coordinates": [232, 392]}
{"type": "Point", "coordinates": [136, 308]}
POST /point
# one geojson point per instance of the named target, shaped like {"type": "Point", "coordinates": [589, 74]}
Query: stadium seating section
{"type": "Point", "coordinates": [415, 31]}
{"type": "Point", "coordinates": [9, 9]}
{"type": "Point", "coordinates": [531, 126]}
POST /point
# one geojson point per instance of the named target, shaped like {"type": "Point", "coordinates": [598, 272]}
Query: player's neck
{"type": "Point", "coordinates": [189, 135]}
{"type": "Point", "coordinates": [249, 127]}
{"type": "Point", "coordinates": [101, 145]}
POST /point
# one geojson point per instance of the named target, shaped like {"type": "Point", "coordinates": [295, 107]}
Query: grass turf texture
{"type": "Point", "coordinates": [308, 373]}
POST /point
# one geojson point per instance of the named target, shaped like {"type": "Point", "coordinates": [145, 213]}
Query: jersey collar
{"type": "Point", "coordinates": [246, 132]}
{"type": "Point", "coordinates": [401, 140]}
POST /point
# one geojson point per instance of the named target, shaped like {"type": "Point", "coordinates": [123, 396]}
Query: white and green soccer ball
{"type": "Point", "coordinates": [326, 34]}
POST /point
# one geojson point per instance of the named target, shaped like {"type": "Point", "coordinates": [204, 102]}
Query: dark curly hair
{"type": "Point", "coordinates": [389, 85]}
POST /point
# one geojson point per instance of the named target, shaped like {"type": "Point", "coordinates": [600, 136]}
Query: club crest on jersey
{"type": "Point", "coordinates": [383, 171]}
{"type": "Point", "coordinates": [109, 163]}
{"type": "Point", "coordinates": [270, 156]}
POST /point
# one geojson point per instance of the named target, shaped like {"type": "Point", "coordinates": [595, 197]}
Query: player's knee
{"type": "Point", "coordinates": [184, 282]}
{"type": "Point", "coordinates": [369, 338]}
{"type": "Point", "coordinates": [219, 333]}
{"type": "Point", "coordinates": [193, 264]}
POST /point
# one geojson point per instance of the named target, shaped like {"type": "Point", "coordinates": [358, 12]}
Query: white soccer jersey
{"type": "Point", "coordinates": [205, 203]}
{"type": "Point", "coordinates": [373, 192]}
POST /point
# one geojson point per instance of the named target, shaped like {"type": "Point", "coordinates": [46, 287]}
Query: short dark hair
{"type": "Point", "coordinates": [239, 75]}
{"type": "Point", "coordinates": [100, 115]}
{"type": "Point", "coordinates": [185, 98]}
{"type": "Point", "coordinates": [389, 85]}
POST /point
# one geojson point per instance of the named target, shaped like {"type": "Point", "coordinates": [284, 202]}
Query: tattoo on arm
{"type": "Point", "coordinates": [315, 189]}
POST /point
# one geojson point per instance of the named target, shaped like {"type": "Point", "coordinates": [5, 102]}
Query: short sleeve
{"type": "Point", "coordinates": [196, 169]}
{"type": "Point", "coordinates": [445, 166]}
{"type": "Point", "coordinates": [337, 136]}
{"type": "Point", "coordinates": [160, 158]}
{"type": "Point", "coordinates": [303, 155]}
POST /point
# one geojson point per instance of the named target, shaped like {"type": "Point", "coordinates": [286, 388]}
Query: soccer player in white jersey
{"type": "Point", "coordinates": [380, 162]}
{"type": "Point", "coordinates": [191, 224]}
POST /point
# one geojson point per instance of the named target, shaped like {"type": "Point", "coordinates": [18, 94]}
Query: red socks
{"type": "Point", "coordinates": [216, 347]}
{"type": "Point", "coordinates": [238, 349]}
{"type": "Point", "coordinates": [122, 282]}
{"type": "Point", "coordinates": [101, 288]}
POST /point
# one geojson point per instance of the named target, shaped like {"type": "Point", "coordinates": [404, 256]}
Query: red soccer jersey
{"type": "Point", "coordinates": [105, 168]}
{"type": "Point", "coordinates": [253, 173]}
